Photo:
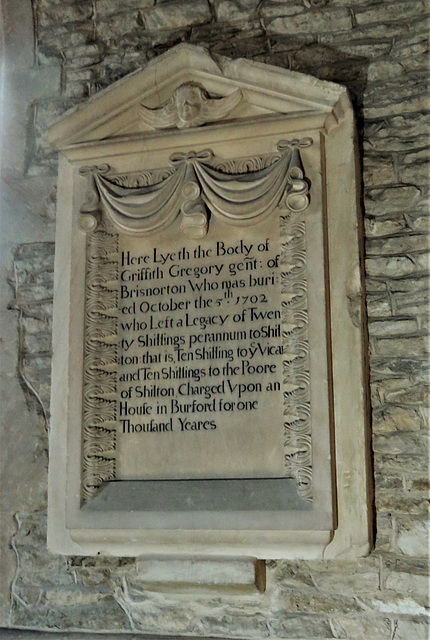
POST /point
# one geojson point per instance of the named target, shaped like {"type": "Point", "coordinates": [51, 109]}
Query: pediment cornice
{"type": "Point", "coordinates": [230, 90]}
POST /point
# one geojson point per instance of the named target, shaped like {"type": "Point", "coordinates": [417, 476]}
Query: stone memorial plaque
{"type": "Point", "coordinates": [195, 382]}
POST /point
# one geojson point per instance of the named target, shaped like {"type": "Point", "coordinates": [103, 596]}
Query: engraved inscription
{"type": "Point", "coordinates": [200, 335]}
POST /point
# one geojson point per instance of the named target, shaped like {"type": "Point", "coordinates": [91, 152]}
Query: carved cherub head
{"type": "Point", "coordinates": [189, 106]}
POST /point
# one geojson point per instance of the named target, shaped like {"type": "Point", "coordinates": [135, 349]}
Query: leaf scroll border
{"type": "Point", "coordinates": [100, 359]}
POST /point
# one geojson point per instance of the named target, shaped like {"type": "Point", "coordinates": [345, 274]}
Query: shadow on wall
{"type": "Point", "coordinates": [323, 61]}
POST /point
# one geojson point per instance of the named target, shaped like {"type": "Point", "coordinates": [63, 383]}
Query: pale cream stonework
{"type": "Point", "coordinates": [275, 105]}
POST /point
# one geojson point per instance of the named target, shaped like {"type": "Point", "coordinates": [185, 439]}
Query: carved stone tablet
{"type": "Point", "coordinates": [200, 384]}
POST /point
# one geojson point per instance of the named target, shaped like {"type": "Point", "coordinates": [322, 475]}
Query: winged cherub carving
{"type": "Point", "coordinates": [189, 106]}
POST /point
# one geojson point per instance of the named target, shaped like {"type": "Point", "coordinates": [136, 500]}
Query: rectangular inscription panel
{"type": "Point", "coordinates": [198, 361]}
{"type": "Point", "coordinates": [201, 355]}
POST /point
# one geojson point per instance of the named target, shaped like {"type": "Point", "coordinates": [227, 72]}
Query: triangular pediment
{"type": "Point", "coordinates": [227, 90]}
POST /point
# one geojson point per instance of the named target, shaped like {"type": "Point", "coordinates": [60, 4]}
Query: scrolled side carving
{"type": "Point", "coordinates": [141, 178]}
{"type": "Point", "coordinates": [244, 165]}
{"type": "Point", "coordinates": [100, 362]}
{"type": "Point", "coordinates": [296, 376]}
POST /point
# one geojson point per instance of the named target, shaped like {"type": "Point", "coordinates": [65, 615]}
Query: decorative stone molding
{"type": "Point", "coordinates": [239, 192]}
{"type": "Point", "coordinates": [101, 360]}
{"type": "Point", "coordinates": [101, 324]}
{"type": "Point", "coordinates": [190, 106]}
{"type": "Point", "coordinates": [297, 406]}
{"type": "Point", "coordinates": [265, 90]}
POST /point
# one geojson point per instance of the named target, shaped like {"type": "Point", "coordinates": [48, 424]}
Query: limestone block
{"type": "Point", "coordinates": [104, 616]}
{"type": "Point", "coordinates": [396, 265]}
{"type": "Point", "coordinates": [403, 582]}
{"type": "Point", "coordinates": [317, 21]}
{"type": "Point", "coordinates": [413, 302]}
{"type": "Point", "coordinates": [407, 244]}
{"type": "Point", "coordinates": [230, 10]}
{"type": "Point", "coordinates": [77, 12]}
{"type": "Point", "coordinates": [410, 346]}
{"type": "Point", "coordinates": [413, 538]}
{"type": "Point", "coordinates": [394, 327]}
{"type": "Point", "coordinates": [110, 8]}
{"type": "Point", "coordinates": [407, 629]}
{"type": "Point", "coordinates": [176, 14]}
{"type": "Point", "coordinates": [209, 573]}
{"type": "Point", "coordinates": [390, 11]}
{"type": "Point", "coordinates": [378, 172]}
{"type": "Point", "coordinates": [347, 580]}
{"type": "Point", "coordinates": [57, 36]}
{"type": "Point", "coordinates": [399, 389]}
{"type": "Point", "coordinates": [417, 173]}
{"type": "Point", "coordinates": [408, 103]}
{"type": "Point", "coordinates": [413, 502]}
{"type": "Point", "coordinates": [386, 603]}
{"type": "Point", "coordinates": [383, 69]}
{"type": "Point", "coordinates": [274, 9]}
{"type": "Point", "coordinates": [395, 464]}
{"type": "Point", "coordinates": [392, 418]}
{"type": "Point", "coordinates": [112, 31]}
{"type": "Point", "coordinates": [395, 133]}
{"type": "Point", "coordinates": [399, 443]}
{"type": "Point", "coordinates": [379, 306]}
{"type": "Point", "coordinates": [361, 627]}
{"type": "Point", "coordinates": [384, 226]}
{"type": "Point", "coordinates": [293, 625]}
{"type": "Point", "coordinates": [384, 481]}
{"type": "Point", "coordinates": [383, 201]}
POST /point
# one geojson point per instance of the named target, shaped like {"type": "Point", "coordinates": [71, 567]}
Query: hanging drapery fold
{"type": "Point", "coordinates": [245, 196]}
{"type": "Point", "coordinates": [194, 186]}
{"type": "Point", "coordinates": [144, 209]}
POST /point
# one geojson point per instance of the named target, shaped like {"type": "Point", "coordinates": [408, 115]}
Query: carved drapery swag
{"type": "Point", "coordinates": [238, 191]}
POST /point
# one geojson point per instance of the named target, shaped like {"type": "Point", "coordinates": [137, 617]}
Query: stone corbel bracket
{"type": "Point", "coordinates": [239, 192]}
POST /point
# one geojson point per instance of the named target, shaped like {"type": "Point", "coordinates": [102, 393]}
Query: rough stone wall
{"type": "Point", "coordinates": [378, 50]}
